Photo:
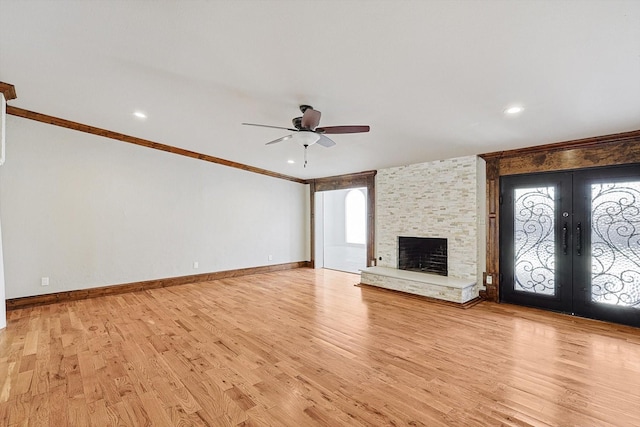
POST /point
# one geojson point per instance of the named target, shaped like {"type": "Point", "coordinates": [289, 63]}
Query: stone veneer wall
{"type": "Point", "coordinates": [435, 199]}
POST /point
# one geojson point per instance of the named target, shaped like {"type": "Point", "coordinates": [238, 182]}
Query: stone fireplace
{"type": "Point", "coordinates": [423, 254]}
{"type": "Point", "coordinates": [444, 199]}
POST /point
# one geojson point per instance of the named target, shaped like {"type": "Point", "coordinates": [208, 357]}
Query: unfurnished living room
{"type": "Point", "coordinates": [320, 213]}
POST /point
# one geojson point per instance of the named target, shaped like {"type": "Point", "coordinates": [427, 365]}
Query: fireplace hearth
{"type": "Point", "coordinates": [423, 254]}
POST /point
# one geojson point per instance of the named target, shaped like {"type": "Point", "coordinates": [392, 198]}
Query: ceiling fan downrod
{"type": "Point", "coordinates": [305, 154]}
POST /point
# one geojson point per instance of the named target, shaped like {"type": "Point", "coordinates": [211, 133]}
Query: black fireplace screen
{"type": "Point", "coordinates": [425, 254]}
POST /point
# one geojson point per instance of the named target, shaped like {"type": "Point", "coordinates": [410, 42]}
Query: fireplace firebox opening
{"type": "Point", "coordinates": [424, 254]}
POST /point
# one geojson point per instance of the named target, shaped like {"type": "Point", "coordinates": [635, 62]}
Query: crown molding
{"type": "Point", "coordinates": [8, 90]}
{"type": "Point", "coordinates": [56, 121]}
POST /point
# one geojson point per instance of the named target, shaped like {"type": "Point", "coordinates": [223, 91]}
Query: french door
{"type": "Point", "coordinates": [570, 242]}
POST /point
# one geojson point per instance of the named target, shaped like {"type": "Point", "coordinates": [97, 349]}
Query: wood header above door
{"type": "Point", "coordinates": [608, 150]}
{"type": "Point", "coordinates": [342, 182]}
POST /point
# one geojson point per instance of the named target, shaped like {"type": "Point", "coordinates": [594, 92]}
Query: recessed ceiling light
{"type": "Point", "coordinates": [140, 114]}
{"type": "Point", "coordinates": [291, 161]}
{"type": "Point", "coordinates": [514, 110]}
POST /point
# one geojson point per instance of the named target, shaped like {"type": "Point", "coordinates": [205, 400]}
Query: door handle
{"type": "Point", "coordinates": [579, 239]}
{"type": "Point", "coordinates": [565, 235]}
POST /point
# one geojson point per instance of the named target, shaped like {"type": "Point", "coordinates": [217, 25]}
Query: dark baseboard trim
{"type": "Point", "coordinates": [464, 305]}
{"type": "Point", "coordinates": [37, 300]}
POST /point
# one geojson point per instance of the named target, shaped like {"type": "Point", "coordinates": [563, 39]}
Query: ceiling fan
{"type": "Point", "coordinates": [307, 131]}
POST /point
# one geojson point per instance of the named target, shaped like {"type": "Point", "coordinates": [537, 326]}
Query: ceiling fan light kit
{"type": "Point", "coordinates": [308, 138]}
{"type": "Point", "coordinates": [307, 131]}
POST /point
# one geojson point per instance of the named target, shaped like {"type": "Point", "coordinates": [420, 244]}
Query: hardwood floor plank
{"type": "Point", "coordinates": [58, 403]}
{"type": "Point", "coordinates": [100, 415]}
{"type": "Point", "coordinates": [155, 409]}
{"type": "Point", "coordinates": [186, 401]}
{"type": "Point", "coordinates": [10, 373]}
{"type": "Point", "coordinates": [23, 383]}
{"type": "Point", "coordinates": [78, 412]}
{"type": "Point", "coordinates": [307, 347]}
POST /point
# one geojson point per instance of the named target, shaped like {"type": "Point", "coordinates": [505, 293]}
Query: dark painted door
{"type": "Point", "coordinates": [570, 242]}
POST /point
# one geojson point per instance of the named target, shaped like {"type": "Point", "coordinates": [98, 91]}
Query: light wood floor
{"type": "Point", "coordinates": [304, 348]}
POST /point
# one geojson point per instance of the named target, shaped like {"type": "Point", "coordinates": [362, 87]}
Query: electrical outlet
{"type": "Point", "coordinates": [44, 281]}
{"type": "Point", "coordinates": [270, 257]}
{"type": "Point", "coordinates": [195, 264]}
{"type": "Point", "coordinates": [489, 279]}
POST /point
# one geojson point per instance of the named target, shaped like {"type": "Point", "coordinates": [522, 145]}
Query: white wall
{"type": "Point", "coordinates": [434, 199]}
{"type": "Point", "coordinates": [87, 211]}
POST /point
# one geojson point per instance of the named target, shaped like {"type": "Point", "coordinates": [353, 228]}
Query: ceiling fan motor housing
{"type": "Point", "coordinates": [307, 128]}
{"type": "Point", "coordinates": [297, 122]}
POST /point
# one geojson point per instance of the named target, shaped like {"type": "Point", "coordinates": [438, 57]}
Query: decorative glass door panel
{"type": "Point", "coordinates": [570, 242]}
{"type": "Point", "coordinates": [534, 235]}
{"type": "Point", "coordinates": [534, 229]}
{"type": "Point", "coordinates": [615, 243]}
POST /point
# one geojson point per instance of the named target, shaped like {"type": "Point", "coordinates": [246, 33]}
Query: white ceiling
{"type": "Point", "coordinates": [431, 78]}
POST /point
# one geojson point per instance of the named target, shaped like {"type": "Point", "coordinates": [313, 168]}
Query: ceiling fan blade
{"type": "Point", "coordinates": [343, 129]}
{"type": "Point", "coordinates": [275, 141]}
{"type": "Point", "coordinates": [269, 126]}
{"type": "Point", "coordinates": [310, 118]}
{"type": "Point", "coordinates": [325, 142]}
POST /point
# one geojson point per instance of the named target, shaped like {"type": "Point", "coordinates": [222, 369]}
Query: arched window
{"type": "Point", "coordinates": [355, 217]}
